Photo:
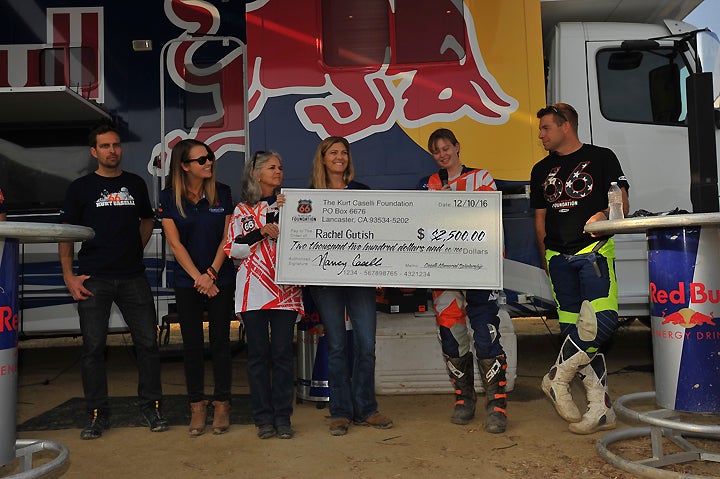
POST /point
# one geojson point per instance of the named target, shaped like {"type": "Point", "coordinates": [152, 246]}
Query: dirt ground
{"type": "Point", "coordinates": [423, 443]}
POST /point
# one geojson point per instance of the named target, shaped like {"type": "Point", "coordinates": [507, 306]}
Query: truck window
{"type": "Point", "coordinates": [360, 32]}
{"type": "Point", "coordinates": [653, 79]}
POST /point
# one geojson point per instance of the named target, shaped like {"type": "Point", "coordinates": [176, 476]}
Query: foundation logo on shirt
{"type": "Point", "coordinates": [304, 206]}
{"type": "Point", "coordinates": [121, 198]}
{"type": "Point", "coordinates": [217, 208]}
{"type": "Point", "coordinates": [248, 224]}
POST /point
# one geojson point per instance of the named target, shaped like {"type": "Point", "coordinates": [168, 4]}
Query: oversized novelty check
{"type": "Point", "coordinates": [438, 239]}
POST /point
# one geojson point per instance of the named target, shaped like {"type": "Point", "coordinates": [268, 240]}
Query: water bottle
{"type": "Point", "coordinates": [615, 202]}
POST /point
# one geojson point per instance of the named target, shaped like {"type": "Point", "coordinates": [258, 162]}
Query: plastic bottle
{"type": "Point", "coordinates": [615, 202]}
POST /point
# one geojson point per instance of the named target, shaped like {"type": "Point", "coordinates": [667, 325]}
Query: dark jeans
{"type": "Point", "coordinates": [271, 369]}
{"type": "Point", "coordinates": [135, 300]}
{"type": "Point", "coordinates": [190, 308]}
{"type": "Point", "coordinates": [352, 398]}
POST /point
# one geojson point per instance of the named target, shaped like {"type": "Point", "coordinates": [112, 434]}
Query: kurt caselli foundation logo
{"type": "Point", "coordinates": [304, 206]}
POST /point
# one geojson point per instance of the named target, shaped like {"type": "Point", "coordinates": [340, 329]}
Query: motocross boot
{"type": "Point", "coordinates": [462, 376]}
{"type": "Point", "coordinates": [493, 376]}
{"type": "Point", "coordinates": [599, 415]}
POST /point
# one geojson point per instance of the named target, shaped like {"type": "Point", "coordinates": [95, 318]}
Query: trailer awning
{"type": "Point", "coordinates": [48, 105]}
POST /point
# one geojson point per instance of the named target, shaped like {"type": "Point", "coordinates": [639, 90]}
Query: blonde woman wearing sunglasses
{"type": "Point", "coordinates": [195, 211]}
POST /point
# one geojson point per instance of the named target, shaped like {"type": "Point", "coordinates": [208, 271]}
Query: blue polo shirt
{"type": "Point", "coordinates": [201, 230]}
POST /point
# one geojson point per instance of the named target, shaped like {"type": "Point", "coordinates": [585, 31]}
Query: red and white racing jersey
{"type": "Point", "coordinates": [469, 180]}
{"type": "Point", "coordinates": [255, 285]}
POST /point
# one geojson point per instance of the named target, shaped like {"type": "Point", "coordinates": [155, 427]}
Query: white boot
{"type": "Point", "coordinates": [599, 415]}
{"type": "Point", "coordinates": [556, 383]}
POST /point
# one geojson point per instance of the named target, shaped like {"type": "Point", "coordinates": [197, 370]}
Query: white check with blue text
{"type": "Point", "coordinates": [435, 239]}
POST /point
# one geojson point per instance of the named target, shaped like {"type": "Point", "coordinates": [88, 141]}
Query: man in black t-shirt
{"type": "Point", "coordinates": [116, 205]}
{"type": "Point", "coordinates": [568, 189]}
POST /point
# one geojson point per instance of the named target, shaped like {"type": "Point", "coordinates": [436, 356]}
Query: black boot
{"type": "Point", "coordinates": [493, 376]}
{"type": "Point", "coordinates": [462, 376]}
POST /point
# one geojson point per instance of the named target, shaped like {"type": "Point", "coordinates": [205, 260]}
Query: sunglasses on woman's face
{"type": "Point", "coordinates": [201, 160]}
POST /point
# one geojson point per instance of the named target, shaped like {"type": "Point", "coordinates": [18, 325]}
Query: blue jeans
{"type": "Point", "coordinates": [135, 301]}
{"type": "Point", "coordinates": [190, 307]}
{"type": "Point", "coordinates": [271, 370]}
{"type": "Point", "coordinates": [352, 398]}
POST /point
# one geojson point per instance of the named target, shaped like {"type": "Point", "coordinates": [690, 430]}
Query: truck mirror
{"type": "Point", "coordinates": [665, 98]}
{"type": "Point", "coordinates": [709, 53]}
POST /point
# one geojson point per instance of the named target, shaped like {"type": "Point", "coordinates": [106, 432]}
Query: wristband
{"type": "Point", "coordinates": [212, 273]}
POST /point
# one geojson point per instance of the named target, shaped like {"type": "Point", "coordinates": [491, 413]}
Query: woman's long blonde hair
{"type": "Point", "coordinates": [318, 179]}
{"type": "Point", "coordinates": [177, 175]}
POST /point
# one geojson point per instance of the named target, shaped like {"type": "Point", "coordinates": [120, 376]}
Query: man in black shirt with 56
{"type": "Point", "coordinates": [116, 205]}
{"type": "Point", "coordinates": [568, 189]}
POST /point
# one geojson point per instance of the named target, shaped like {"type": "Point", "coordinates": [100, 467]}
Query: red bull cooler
{"type": "Point", "coordinates": [8, 347]}
{"type": "Point", "coordinates": [684, 270]}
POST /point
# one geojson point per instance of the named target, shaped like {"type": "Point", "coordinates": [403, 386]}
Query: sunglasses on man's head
{"type": "Point", "coordinates": [554, 109]}
{"type": "Point", "coordinates": [201, 160]}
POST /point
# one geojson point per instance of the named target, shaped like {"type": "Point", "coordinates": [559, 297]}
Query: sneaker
{"type": "Point", "coordinates": [266, 431]}
{"type": "Point", "coordinates": [339, 426]}
{"type": "Point", "coordinates": [377, 420]}
{"type": "Point", "coordinates": [154, 418]}
{"type": "Point", "coordinates": [285, 431]}
{"type": "Point", "coordinates": [99, 421]}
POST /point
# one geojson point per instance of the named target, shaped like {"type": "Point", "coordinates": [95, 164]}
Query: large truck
{"type": "Point", "coordinates": [282, 75]}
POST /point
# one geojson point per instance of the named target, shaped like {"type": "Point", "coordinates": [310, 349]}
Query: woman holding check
{"type": "Point", "coordinates": [351, 399]}
{"type": "Point", "coordinates": [260, 302]}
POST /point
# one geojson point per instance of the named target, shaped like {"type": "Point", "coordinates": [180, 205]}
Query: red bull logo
{"type": "Point", "coordinates": [688, 318]}
{"type": "Point", "coordinates": [694, 293]}
{"type": "Point", "coordinates": [8, 319]}
{"type": "Point", "coordinates": [8, 328]}
{"type": "Point", "coordinates": [363, 92]}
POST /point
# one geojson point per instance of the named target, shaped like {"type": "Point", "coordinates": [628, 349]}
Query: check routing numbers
{"type": "Point", "coordinates": [391, 238]}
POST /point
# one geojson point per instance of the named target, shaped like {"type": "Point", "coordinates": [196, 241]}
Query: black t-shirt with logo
{"type": "Point", "coordinates": [112, 207]}
{"type": "Point", "coordinates": [573, 188]}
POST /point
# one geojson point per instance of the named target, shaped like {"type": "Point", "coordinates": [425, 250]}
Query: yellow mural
{"type": "Point", "coordinates": [509, 38]}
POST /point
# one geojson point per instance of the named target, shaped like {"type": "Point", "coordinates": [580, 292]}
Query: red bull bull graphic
{"type": "Point", "coordinates": [224, 128]}
{"type": "Point", "coordinates": [393, 89]}
{"type": "Point", "coordinates": [8, 347]}
{"type": "Point", "coordinates": [312, 73]}
{"type": "Point", "coordinates": [684, 290]}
